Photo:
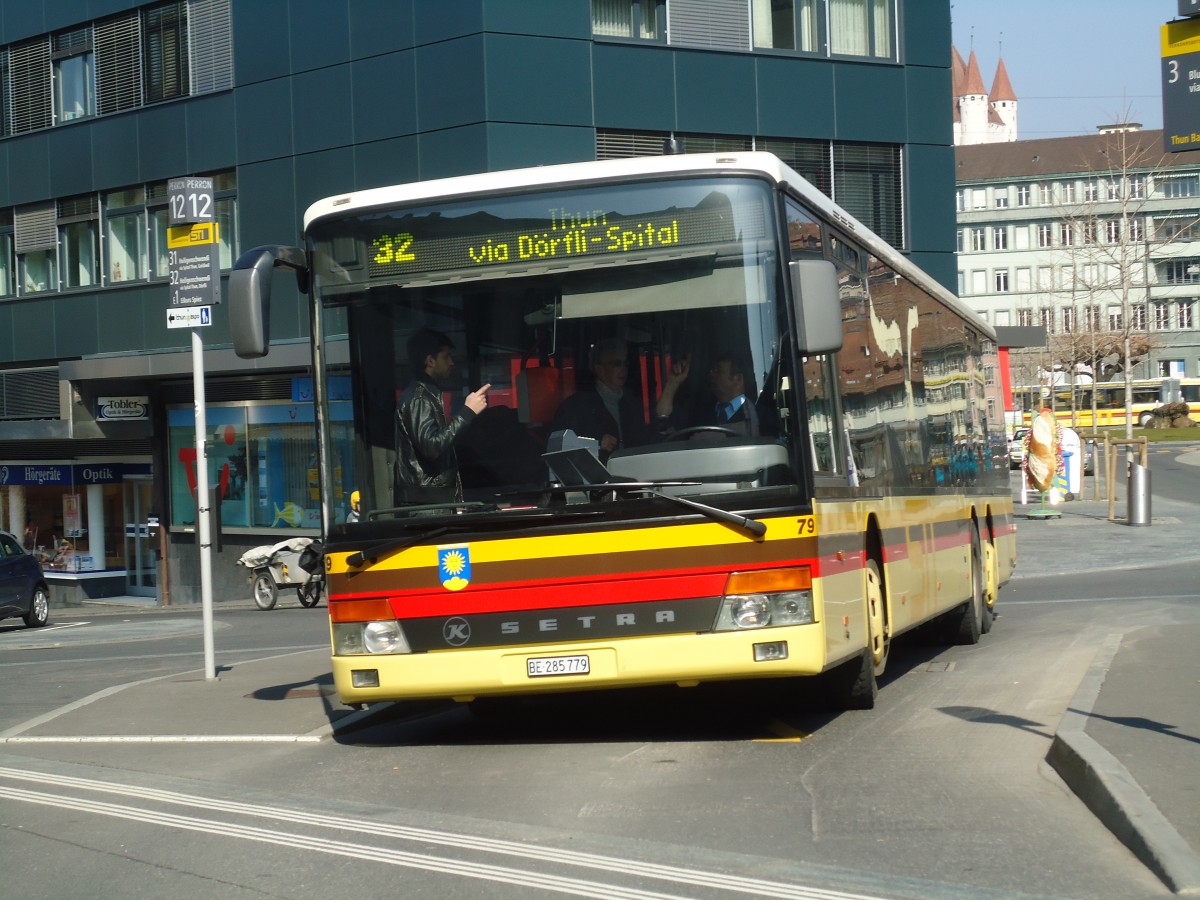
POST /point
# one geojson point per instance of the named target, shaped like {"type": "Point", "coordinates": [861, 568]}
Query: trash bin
{"type": "Point", "coordinates": [1138, 486]}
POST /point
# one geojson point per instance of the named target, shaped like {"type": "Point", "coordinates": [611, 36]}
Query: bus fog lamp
{"type": "Point", "coordinates": [384, 637]}
{"type": "Point", "coordinates": [347, 639]}
{"type": "Point", "coordinates": [768, 652]}
{"type": "Point", "coordinates": [364, 678]}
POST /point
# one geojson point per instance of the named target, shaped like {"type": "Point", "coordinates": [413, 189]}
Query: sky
{"type": "Point", "coordinates": [1073, 64]}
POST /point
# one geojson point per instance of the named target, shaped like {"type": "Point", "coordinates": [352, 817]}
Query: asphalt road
{"type": "Point", "coordinates": [941, 791]}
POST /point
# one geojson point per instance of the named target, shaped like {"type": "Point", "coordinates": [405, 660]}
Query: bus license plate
{"type": "Point", "coordinates": [542, 666]}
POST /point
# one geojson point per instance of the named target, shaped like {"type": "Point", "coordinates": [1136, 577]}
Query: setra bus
{"type": "Point", "coordinates": [868, 496]}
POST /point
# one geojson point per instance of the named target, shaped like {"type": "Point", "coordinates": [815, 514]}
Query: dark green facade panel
{"type": "Point", "coordinates": [930, 189]}
{"type": "Point", "coordinates": [22, 20]}
{"type": "Point", "coordinates": [116, 151]}
{"type": "Point", "coordinates": [319, 33]}
{"type": "Point", "coordinates": [163, 141]}
{"type": "Point", "coordinates": [453, 151]}
{"type": "Point", "coordinates": [795, 98]}
{"type": "Point", "coordinates": [261, 48]}
{"type": "Point", "coordinates": [77, 323]}
{"type": "Point", "coordinates": [320, 175]}
{"type": "Point", "coordinates": [543, 80]}
{"type": "Point", "coordinates": [69, 159]}
{"type": "Point", "coordinates": [715, 92]}
{"type": "Point", "coordinates": [264, 121]}
{"type": "Point", "coordinates": [381, 163]}
{"type": "Point", "coordinates": [8, 338]}
{"type": "Point", "coordinates": [870, 103]}
{"type": "Point", "coordinates": [268, 212]}
{"type": "Point", "coordinates": [927, 119]}
{"type": "Point", "coordinates": [6, 179]}
{"type": "Point", "coordinates": [546, 18]}
{"type": "Point", "coordinates": [633, 87]}
{"type": "Point", "coordinates": [515, 146]}
{"type": "Point", "coordinates": [446, 20]}
{"type": "Point", "coordinates": [322, 112]}
{"type": "Point", "coordinates": [212, 143]}
{"type": "Point", "coordinates": [450, 84]}
{"type": "Point", "coordinates": [383, 97]}
{"type": "Point", "coordinates": [925, 33]}
{"type": "Point", "coordinates": [121, 324]}
{"type": "Point", "coordinates": [28, 173]}
{"type": "Point", "coordinates": [33, 329]}
{"type": "Point", "coordinates": [381, 26]}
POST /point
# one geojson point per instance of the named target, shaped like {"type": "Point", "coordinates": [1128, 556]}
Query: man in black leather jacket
{"type": "Point", "coordinates": [426, 466]}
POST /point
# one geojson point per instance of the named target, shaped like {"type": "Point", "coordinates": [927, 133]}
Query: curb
{"type": "Point", "coordinates": [1108, 789]}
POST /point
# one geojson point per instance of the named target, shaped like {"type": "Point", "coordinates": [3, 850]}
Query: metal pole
{"type": "Point", "coordinates": [203, 533]}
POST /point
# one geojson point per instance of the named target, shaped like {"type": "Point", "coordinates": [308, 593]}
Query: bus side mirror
{"type": "Point", "coordinates": [817, 305]}
{"type": "Point", "coordinates": [250, 296]}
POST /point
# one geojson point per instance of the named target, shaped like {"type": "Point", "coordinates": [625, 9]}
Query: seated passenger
{"type": "Point", "coordinates": [608, 413]}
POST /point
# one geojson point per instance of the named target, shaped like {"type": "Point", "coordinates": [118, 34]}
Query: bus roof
{"type": "Point", "coordinates": [762, 164]}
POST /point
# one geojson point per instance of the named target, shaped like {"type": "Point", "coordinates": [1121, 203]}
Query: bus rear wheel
{"type": "Point", "coordinates": [964, 625]}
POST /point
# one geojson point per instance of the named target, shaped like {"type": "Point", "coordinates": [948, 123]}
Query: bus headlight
{"type": "Point", "coordinates": [743, 611]}
{"type": "Point", "coordinates": [359, 638]}
{"type": "Point", "coordinates": [767, 597]}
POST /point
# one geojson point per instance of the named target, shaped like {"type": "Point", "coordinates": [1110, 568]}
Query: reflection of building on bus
{"type": "Point", "coordinates": [871, 501]}
{"type": "Point", "coordinates": [1072, 404]}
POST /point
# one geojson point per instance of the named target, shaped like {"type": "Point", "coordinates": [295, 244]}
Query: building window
{"type": "Point", "coordinates": [787, 25]}
{"type": "Point", "coordinates": [1181, 271]}
{"type": "Point", "coordinates": [1174, 187]}
{"type": "Point", "coordinates": [74, 75]}
{"type": "Point", "coordinates": [978, 239]}
{"type": "Point", "coordinates": [1046, 319]}
{"type": "Point", "coordinates": [1000, 238]}
{"type": "Point", "coordinates": [1137, 316]}
{"type": "Point", "coordinates": [628, 18]}
{"type": "Point", "coordinates": [1137, 188]}
{"type": "Point", "coordinates": [1115, 319]}
{"type": "Point", "coordinates": [1044, 235]}
{"type": "Point", "coordinates": [1046, 194]}
{"type": "Point", "coordinates": [1067, 189]}
{"type": "Point", "coordinates": [866, 181]}
{"type": "Point", "coordinates": [860, 28]}
{"type": "Point", "coordinates": [1088, 227]}
{"type": "Point", "coordinates": [165, 48]}
{"type": "Point", "coordinates": [979, 199]}
{"type": "Point", "coordinates": [38, 271]}
{"type": "Point", "coordinates": [1001, 198]}
{"type": "Point", "coordinates": [1091, 191]}
{"type": "Point", "coordinates": [1068, 319]}
{"type": "Point", "coordinates": [961, 241]}
{"type": "Point", "coordinates": [1114, 189]}
{"type": "Point", "coordinates": [1185, 314]}
{"type": "Point", "coordinates": [1024, 318]}
{"type": "Point", "coordinates": [960, 200]}
{"type": "Point", "coordinates": [1135, 230]}
{"type": "Point", "coordinates": [1021, 237]}
{"type": "Point", "coordinates": [1001, 281]}
{"type": "Point", "coordinates": [1045, 278]}
{"type": "Point", "coordinates": [1112, 231]}
{"type": "Point", "coordinates": [1024, 280]}
{"type": "Point", "coordinates": [1066, 234]}
{"type": "Point", "coordinates": [8, 283]}
{"type": "Point", "coordinates": [978, 282]}
{"type": "Point", "coordinates": [125, 233]}
{"type": "Point", "coordinates": [79, 251]}
{"type": "Point", "coordinates": [1162, 316]}
{"type": "Point", "coordinates": [1023, 195]}
{"type": "Point", "coordinates": [1091, 318]}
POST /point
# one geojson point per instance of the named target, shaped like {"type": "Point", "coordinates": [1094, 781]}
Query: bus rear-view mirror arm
{"type": "Point", "coordinates": [250, 295]}
{"type": "Point", "coordinates": [817, 306]}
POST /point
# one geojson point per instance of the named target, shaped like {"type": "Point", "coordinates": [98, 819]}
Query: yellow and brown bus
{"type": "Point", "coordinates": [1108, 398]}
{"type": "Point", "coordinates": [869, 496]}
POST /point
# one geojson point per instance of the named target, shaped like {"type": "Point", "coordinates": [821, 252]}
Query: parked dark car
{"type": "Point", "coordinates": [23, 589]}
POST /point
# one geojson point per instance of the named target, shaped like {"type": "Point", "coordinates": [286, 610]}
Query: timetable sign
{"type": "Point", "coordinates": [194, 264]}
{"type": "Point", "coordinates": [1181, 85]}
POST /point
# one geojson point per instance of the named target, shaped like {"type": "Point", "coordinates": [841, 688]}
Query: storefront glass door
{"type": "Point", "coordinates": [141, 560]}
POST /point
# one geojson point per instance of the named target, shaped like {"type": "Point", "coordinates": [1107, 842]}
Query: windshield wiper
{"type": "Point", "coordinates": [651, 488]}
{"type": "Point", "coordinates": [354, 560]}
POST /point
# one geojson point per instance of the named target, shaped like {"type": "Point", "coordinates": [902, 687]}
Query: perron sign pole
{"type": "Point", "coordinates": [194, 266]}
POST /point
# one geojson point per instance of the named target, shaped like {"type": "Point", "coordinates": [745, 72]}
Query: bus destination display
{"type": "Point", "coordinates": [432, 243]}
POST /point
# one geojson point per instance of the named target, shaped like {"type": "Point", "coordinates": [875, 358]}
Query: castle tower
{"type": "Point", "coordinates": [1004, 104]}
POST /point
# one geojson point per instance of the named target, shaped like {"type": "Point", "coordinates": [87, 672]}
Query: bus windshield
{"type": "Point", "coordinates": [631, 334]}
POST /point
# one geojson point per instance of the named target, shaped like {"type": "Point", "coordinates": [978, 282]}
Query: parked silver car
{"type": "Point", "coordinates": [1016, 448]}
{"type": "Point", "coordinates": [23, 589]}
